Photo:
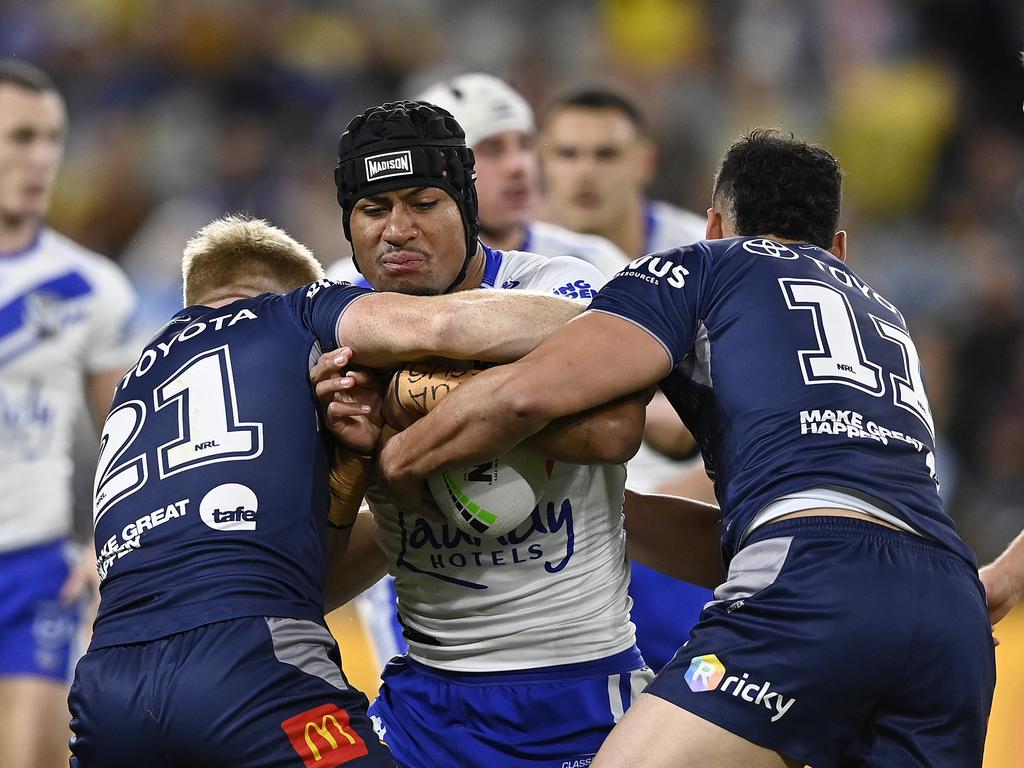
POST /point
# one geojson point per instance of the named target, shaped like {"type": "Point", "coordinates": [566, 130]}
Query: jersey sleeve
{"type": "Point", "coordinates": [320, 305]}
{"type": "Point", "coordinates": [114, 342]}
{"type": "Point", "coordinates": [662, 293]}
{"type": "Point", "coordinates": [565, 276]}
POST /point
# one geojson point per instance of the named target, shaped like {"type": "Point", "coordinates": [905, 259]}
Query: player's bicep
{"type": "Point", "coordinates": [594, 359]}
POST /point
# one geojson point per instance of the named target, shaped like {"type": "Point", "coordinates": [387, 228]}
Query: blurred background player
{"type": "Point", "coordinates": [214, 528]}
{"type": "Point", "coordinates": [521, 651]}
{"type": "Point", "coordinates": [64, 341]}
{"type": "Point", "coordinates": [500, 130]}
{"type": "Point", "coordinates": [599, 160]}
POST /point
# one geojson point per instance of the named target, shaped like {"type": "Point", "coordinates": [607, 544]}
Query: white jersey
{"type": "Point", "coordinates": [65, 312]}
{"type": "Point", "coordinates": [670, 227]}
{"type": "Point", "coordinates": [552, 240]}
{"type": "Point", "coordinates": [553, 591]}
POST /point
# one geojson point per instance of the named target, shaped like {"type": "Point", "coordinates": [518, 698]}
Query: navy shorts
{"type": "Point", "coordinates": [257, 692]}
{"type": "Point", "coordinates": [555, 717]}
{"type": "Point", "coordinates": [38, 633]}
{"type": "Point", "coordinates": [840, 642]}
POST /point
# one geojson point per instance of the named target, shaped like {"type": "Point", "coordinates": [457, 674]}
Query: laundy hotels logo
{"type": "Point", "coordinates": [389, 164]}
{"type": "Point", "coordinates": [707, 673]}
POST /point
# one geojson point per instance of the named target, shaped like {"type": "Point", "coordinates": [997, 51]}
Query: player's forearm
{"type": "Point", "coordinates": [665, 433]}
{"type": "Point", "coordinates": [678, 537]}
{"type": "Point", "coordinates": [609, 434]}
{"type": "Point", "coordinates": [387, 329]}
{"type": "Point", "coordinates": [355, 563]}
{"type": "Point", "coordinates": [100, 393]}
{"type": "Point", "coordinates": [497, 326]}
{"type": "Point", "coordinates": [1010, 566]}
{"type": "Point", "coordinates": [474, 423]}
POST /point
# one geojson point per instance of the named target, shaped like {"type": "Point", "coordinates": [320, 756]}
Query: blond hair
{"type": "Point", "coordinates": [243, 253]}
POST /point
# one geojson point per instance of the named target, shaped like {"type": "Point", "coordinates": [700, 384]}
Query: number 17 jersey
{"type": "Point", "coordinates": [793, 374]}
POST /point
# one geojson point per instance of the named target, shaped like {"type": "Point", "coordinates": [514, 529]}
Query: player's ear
{"type": "Point", "coordinates": [714, 229]}
{"type": "Point", "coordinates": [838, 248]}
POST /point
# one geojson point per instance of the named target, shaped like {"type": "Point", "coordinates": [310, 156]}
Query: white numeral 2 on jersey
{"type": "Point", "coordinates": [840, 356]}
{"type": "Point", "coordinates": [114, 483]}
{"type": "Point", "coordinates": [208, 429]}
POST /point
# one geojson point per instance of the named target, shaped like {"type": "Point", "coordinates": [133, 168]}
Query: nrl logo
{"type": "Point", "coordinates": [389, 164]}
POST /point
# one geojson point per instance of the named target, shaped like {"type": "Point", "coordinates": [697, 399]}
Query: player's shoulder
{"type": "Point", "coordinates": [671, 226]}
{"type": "Point", "coordinates": [344, 270]}
{"type": "Point", "coordinates": [58, 248]}
{"type": "Point", "coordinates": [556, 240]}
{"type": "Point", "coordinates": [564, 275]}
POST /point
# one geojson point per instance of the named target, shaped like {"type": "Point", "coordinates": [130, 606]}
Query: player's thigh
{"type": "Point", "coordinates": [33, 722]}
{"type": "Point", "coordinates": [113, 710]}
{"type": "Point", "coordinates": [264, 693]}
{"type": "Point", "coordinates": [936, 713]}
{"type": "Point", "coordinates": [657, 734]}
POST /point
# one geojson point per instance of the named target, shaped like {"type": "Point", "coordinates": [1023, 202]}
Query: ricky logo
{"type": "Point", "coordinates": [389, 164]}
{"type": "Point", "coordinates": [707, 673]}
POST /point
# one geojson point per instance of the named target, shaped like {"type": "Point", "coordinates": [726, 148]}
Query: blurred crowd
{"type": "Point", "coordinates": [182, 110]}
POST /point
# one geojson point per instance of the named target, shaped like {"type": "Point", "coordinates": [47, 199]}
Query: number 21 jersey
{"type": "Point", "coordinates": [211, 489]}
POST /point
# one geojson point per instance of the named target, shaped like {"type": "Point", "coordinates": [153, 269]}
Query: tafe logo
{"type": "Point", "coordinates": [389, 164]}
{"type": "Point", "coordinates": [707, 673]}
{"type": "Point", "coordinates": [230, 507]}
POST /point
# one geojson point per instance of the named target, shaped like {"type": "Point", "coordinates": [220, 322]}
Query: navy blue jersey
{"type": "Point", "coordinates": [211, 489]}
{"type": "Point", "coordinates": [792, 373]}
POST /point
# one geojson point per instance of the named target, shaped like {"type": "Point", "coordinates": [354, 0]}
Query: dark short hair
{"type": "Point", "coordinates": [770, 183]}
{"type": "Point", "coordinates": [24, 75]}
{"type": "Point", "coordinates": [599, 97]}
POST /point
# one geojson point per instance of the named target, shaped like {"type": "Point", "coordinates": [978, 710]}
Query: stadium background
{"type": "Point", "coordinates": [181, 111]}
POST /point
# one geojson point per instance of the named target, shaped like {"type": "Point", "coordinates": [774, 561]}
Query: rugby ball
{"type": "Point", "coordinates": [492, 498]}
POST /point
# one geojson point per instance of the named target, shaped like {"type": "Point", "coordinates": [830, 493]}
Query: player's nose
{"type": "Point", "coordinates": [399, 226]}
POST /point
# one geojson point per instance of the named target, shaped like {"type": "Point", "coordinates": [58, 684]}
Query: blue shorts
{"type": "Point", "coordinates": [256, 692]}
{"type": "Point", "coordinates": [554, 717]}
{"type": "Point", "coordinates": [840, 642]}
{"type": "Point", "coordinates": [37, 632]}
{"type": "Point", "coordinates": [664, 611]}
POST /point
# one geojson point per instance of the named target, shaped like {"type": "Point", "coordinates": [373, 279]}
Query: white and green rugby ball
{"type": "Point", "coordinates": [492, 498]}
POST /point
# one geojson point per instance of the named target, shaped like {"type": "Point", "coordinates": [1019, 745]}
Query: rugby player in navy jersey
{"type": "Point", "coordinates": [211, 508]}
{"type": "Point", "coordinates": [852, 629]}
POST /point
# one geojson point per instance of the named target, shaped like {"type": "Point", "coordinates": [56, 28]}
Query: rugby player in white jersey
{"type": "Point", "coordinates": [65, 311]}
{"type": "Point", "coordinates": [598, 161]}
{"type": "Point", "coordinates": [500, 129]}
{"type": "Point", "coordinates": [521, 651]}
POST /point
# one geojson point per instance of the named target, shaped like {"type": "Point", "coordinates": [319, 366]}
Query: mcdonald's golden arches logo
{"type": "Point", "coordinates": [324, 737]}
